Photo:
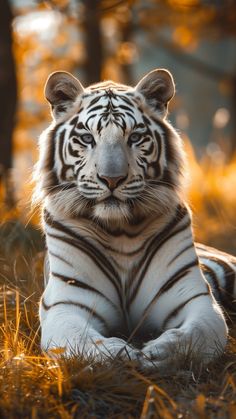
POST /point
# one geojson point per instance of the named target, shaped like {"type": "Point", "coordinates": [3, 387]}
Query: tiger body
{"type": "Point", "coordinates": [124, 273]}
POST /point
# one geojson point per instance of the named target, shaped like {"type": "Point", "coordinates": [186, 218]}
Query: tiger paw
{"type": "Point", "coordinates": [116, 347]}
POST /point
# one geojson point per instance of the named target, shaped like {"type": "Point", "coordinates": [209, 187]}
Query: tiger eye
{"type": "Point", "coordinates": [87, 138]}
{"type": "Point", "coordinates": [135, 137]}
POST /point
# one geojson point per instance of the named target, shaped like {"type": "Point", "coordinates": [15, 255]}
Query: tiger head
{"type": "Point", "coordinates": [110, 153]}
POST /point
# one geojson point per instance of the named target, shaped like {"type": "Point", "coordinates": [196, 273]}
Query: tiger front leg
{"type": "Point", "coordinates": [68, 333]}
{"type": "Point", "coordinates": [198, 332]}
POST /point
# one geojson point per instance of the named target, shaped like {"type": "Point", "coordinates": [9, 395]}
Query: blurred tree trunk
{"type": "Point", "coordinates": [127, 68]}
{"type": "Point", "coordinates": [93, 41]}
{"type": "Point", "coordinates": [8, 92]}
{"type": "Point", "coordinates": [233, 110]}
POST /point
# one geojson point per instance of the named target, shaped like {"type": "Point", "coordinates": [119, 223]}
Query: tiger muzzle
{"type": "Point", "coordinates": [112, 165]}
{"type": "Point", "coordinates": [112, 182]}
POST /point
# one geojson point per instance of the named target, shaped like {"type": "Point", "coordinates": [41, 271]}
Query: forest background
{"type": "Point", "coordinates": [119, 40]}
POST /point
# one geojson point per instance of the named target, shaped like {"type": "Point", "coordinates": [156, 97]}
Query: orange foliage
{"type": "Point", "coordinates": [213, 200]}
{"type": "Point", "coordinates": [210, 193]}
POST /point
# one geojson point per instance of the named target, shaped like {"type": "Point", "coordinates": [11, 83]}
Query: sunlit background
{"type": "Point", "coordinates": [122, 40]}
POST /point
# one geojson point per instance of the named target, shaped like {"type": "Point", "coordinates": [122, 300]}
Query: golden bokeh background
{"type": "Point", "coordinates": [122, 40]}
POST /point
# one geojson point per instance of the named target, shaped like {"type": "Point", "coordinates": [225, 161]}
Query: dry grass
{"type": "Point", "coordinates": [34, 386]}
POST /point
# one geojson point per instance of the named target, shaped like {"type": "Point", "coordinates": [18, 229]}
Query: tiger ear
{"type": "Point", "coordinates": [61, 90]}
{"type": "Point", "coordinates": [158, 88]}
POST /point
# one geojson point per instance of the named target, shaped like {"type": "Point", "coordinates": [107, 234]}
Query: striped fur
{"type": "Point", "coordinates": [123, 272]}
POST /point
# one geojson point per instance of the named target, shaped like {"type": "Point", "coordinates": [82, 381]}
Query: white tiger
{"type": "Point", "coordinates": [124, 276]}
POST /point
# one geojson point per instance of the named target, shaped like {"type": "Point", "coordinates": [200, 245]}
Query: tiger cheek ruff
{"type": "Point", "coordinates": [123, 275]}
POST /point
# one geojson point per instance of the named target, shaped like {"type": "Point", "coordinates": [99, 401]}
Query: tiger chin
{"type": "Point", "coordinates": [123, 274]}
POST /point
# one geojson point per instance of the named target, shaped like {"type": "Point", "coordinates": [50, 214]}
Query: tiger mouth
{"type": "Point", "coordinates": [111, 201]}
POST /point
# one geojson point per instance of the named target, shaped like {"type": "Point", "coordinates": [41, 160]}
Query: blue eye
{"type": "Point", "coordinates": [134, 138]}
{"type": "Point", "coordinates": [87, 138]}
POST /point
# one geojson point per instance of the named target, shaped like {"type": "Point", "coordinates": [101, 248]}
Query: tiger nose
{"type": "Point", "coordinates": [112, 182]}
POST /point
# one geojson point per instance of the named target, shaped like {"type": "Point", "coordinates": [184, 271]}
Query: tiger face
{"type": "Point", "coordinates": [110, 152]}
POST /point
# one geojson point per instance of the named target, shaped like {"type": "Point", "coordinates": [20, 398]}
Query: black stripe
{"type": "Point", "coordinates": [143, 140]}
{"type": "Point", "coordinates": [117, 232]}
{"type": "Point", "coordinates": [157, 242]}
{"type": "Point", "coordinates": [159, 144]}
{"type": "Point", "coordinates": [229, 273]}
{"type": "Point", "coordinates": [99, 125]}
{"type": "Point", "coordinates": [91, 188]}
{"type": "Point", "coordinates": [130, 115]}
{"type": "Point", "coordinates": [141, 125]}
{"type": "Point", "coordinates": [189, 246]}
{"type": "Point", "coordinates": [203, 249]}
{"type": "Point", "coordinates": [171, 157]}
{"type": "Point", "coordinates": [74, 153]}
{"type": "Point", "coordinates": [86, 247]}
{"type": "Point", "coordinates": [168, 179]}
{"type": "Point", "coordinates": [95, 108]}
{"type": "Point", "coordinates": [52, 179]}
{"type": "Point", "coordinates": [82, 163]}
{"type": "Point", "coordinates": [60, 258]}
{"type": "Point", "coordinates": [170, 150]}
{"type": "Point", "coordinates": [81, 306]}
{"type": "Point", "coordinates": [149, 151]}
{"type": "Point", "coordinates": [91, 249]}
{"type": "Point", "coordinates": [176, 277]}
{"type": "Point", "coordinates": [141, 163]}
{"type": "Point", "coordinates": [126, 108]}
{"type": "Point", "coordinates": [80, 126]}
{"type": "Point", "coordinates": [221, 295]}
{"type": "Point", "coordinates": [93, 101]}
{"type": "Point", "coordinates": [209, 272]}
{"type": "Point", "coordinates": [138, 250]}
{"type": "Point", "coordinates": [176, 311]}
{"type": "Point", "coordinates": [92, 253]}
{"type": "Point", "coordinates": [145, 119]}
{"type": "Point", "coordinates": [74, 120]}
{"type": "Point", "coordinates": [75, 282]}
{"type": "Point", "coordinates": [126, 100]}
{"type": "Point", "coordinates": [123, 253]}
{"type": "Point", "coordinates": [128, 188]}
